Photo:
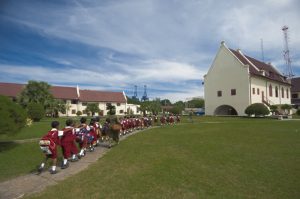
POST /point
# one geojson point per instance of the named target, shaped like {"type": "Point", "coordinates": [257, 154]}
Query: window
{"type": "Point", "coordinates": [219, 93]}
{"type": "Point", "coordinates": [73, 111]}
{"type": "Point", "coordinates": [253, 91]}
{"type": "Point", "coordinates": [233, 91]}
{"type": "Point", "coordinates": [282, 92]}
{"type": "Point", "coordinates": [121, 111]}
{"type": "Point", "coordinates": [287, 93]}
{"type": "Point", "coordinates": [295, 95]}
{"type": "Point", "coordinates": [257, 91]}
{"type": "Point", "coordinates": [84, 103]}
{"type": "Point", "coordinates": [73, 101]}
{"type": "Point", "coordinates": [118, 104]}
{"type": "Point", "coordinates": [276, 91]}
{"type": "Point", "coordinates": [270, 90]}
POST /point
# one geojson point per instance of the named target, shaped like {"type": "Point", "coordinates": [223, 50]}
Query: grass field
{"type": "Point", "coordinates": [210, 158]}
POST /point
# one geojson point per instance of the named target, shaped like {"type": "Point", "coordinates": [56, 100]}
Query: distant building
{"type": "Point", "coordinates": [77, 99]}
{"type": "Point", "coordinates": [295, 90]}
{"type": "Point", "coordinates": [235, 80]}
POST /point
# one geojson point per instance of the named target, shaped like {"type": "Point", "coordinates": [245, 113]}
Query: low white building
{"type": "Point", "coordinates": [77, 99]}
{"type": "Point", "coordinates": [235, 80]}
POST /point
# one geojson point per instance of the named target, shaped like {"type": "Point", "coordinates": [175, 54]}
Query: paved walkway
{"type": "Point", "coordinates": [33, 183]}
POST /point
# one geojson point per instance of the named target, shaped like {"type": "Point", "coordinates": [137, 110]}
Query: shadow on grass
{"type": "Point", "coordinates": [7, 145]}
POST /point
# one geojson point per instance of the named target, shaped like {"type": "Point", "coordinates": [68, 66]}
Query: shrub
{"type": "Point", "coordinates": [13, 116]}
{"type": "Point", "coordinates": [274, 108]}
{"type": "Point", "coordinates": [78, 113]}
{"type": "Point", "coordinates": [286, 108]}
{"type": "Point", "coordinates": [257, 109]}
{"type": "Point", "coordinates": [35, 111]}
{"type": "Point", "coordinates": [298, 112]}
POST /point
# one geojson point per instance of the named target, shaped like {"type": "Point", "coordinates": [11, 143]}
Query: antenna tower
{"type": "Point", "coordinates": [145, 98]}
{"type": "Point", "coordinates": [135, 93]}
{"type": "Point", "coordinates": [286, 53]}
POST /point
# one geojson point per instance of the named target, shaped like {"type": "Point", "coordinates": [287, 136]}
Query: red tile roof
{"type": "Point", "coordinates": [101, 96]}
{"type": "Point", "coordinates": [256, 66]}
{"type": "Point", "coordinates": [295, 84]}
{"type": "Point", "coordinates": [11, 89]}
{"type": "Point", "coordinates": [60, 92]}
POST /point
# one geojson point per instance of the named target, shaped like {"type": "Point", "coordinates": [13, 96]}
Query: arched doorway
{"type": "Point", "coordinates": [225, 110]}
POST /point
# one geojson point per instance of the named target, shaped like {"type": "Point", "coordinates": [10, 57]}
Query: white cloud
{"type": "Point", "coordinates": [174, 41]}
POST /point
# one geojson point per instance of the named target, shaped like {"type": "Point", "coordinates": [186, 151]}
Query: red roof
{"type": "Point", "coordinates": [101, 96]}
{"type": "Point", "coordinates": [60, 92]}
{"type": "Point", "coordinates": [11, 89]}
{"type": "Point", "coordinates": [270, 72]}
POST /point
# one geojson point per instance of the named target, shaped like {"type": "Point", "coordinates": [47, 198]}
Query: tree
{"type": "Point", "coordinates": [92, 108]}
{"type": "Point", "coordinates": [56, 106]}
{"type": "Point", "coordinates": [196, 103]}
{"type": "Point", "coordinates": [165, 102]}
{"type": "Point", "coordinates": [35, 111]}
{"type": "Point", "coordinates": [36, 92]}
{"type": "Point", "coordinates": [132, 101]}
{"type": "Point", "coordinates": [145, 106]}
{"type": "Point", "coordinates": [13, 116]}
{"type": "Point", "coordinates": [154, 106]}
{"type": "Point", "coordinates": [176, 110]}
{"type": "Point", "coordinates": [178, 107]}
{"type": "Point", "coordinates": [78, 113]}
{"type": "Point", "coordinates": [286, 108]}
{"type": "Point", "coordinates": [257, 109]}
{"type": "Point", "coordinates": [111, 109]}
{"type": "Point", "coordinates": [273, 108]}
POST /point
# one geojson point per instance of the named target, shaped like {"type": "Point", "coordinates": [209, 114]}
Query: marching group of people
{"type": "Point", "coordinates": [76, 140]}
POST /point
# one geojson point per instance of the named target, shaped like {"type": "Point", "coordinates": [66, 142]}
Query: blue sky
{"type": "Point", "coordinates": [115, 44]}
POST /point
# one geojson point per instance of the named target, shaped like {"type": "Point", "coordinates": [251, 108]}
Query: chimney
{"type": "Point", "coordinates": [78, 93]}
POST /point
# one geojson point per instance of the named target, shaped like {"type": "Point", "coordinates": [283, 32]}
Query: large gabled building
{"type": "Point", "coordinates": [235, 80]}
{"type": "Point", "coordinates": [77, 99]}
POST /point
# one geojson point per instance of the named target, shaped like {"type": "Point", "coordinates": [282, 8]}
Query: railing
{"type": "Point", "coordinates": [267, 101]}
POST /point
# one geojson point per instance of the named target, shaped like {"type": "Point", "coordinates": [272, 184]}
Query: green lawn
{"type": "Point", "coordinates": [210, 158]}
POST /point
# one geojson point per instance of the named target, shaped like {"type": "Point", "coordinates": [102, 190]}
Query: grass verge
{"type": "Point", "coordinates": [216, 158]}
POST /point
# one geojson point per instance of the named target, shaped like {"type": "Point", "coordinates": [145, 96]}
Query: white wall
{"type": "Point", "coordinates": [263, 85]}
{"type": "Point", "coordinates": [226, 73]}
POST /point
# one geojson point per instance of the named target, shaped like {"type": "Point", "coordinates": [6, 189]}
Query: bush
{"type": "Point", "coordinates": [35, 111]}
{"type": "Point", "coordinates": [13, 116]}
{"type": "Point", "coordinates": [78, 113]}
{"type": "Point", "coordinates": [298, 112]}
{"type": "Point", "coordinates": [257, 109]}
{"type": "Point", "coordinates": [286, 108]}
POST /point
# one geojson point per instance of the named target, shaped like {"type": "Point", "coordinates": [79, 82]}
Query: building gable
{"type": "Point", "coordinates": [224, 54]}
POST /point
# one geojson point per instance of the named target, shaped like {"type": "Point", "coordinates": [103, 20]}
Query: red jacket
{"type": "Point", "coordinates": [69, 135]}
{"type": "Point", "coordinates": [53, 135]}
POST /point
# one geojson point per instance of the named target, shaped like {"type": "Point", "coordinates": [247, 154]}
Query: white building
{"type": "Point", "coordinates": [235, 80]}
{"type": "Point", "coordinates": [77, 99]}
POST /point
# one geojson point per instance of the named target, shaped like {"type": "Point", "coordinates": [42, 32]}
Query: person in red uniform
{"type": "Point", "coordinates": [98, 128]}
{"type": "Point", "coordinates": [48, 144]}
{"type": "Point", "coordinates": [83, 141]}
{"type": "Point", "coordinates": [68, 145]}
{"type": "Point", "coordinates": [163, 120]}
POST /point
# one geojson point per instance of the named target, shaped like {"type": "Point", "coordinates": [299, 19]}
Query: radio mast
{"type": "Point", "coordinates": [286, 53]}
